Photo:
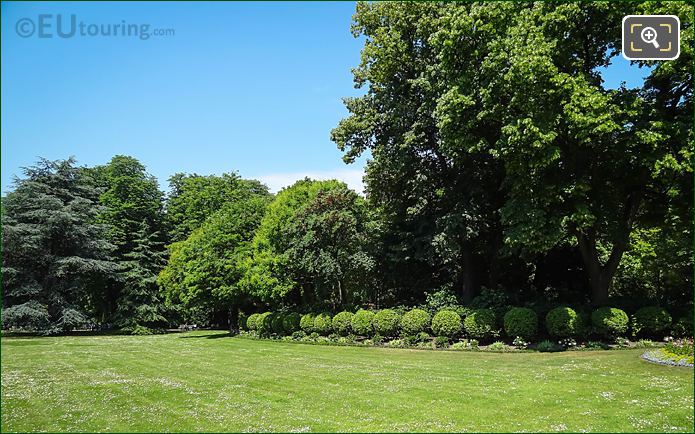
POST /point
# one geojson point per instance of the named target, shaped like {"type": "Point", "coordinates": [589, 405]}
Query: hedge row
{"type": "Point", "coordinates": [561, 322]}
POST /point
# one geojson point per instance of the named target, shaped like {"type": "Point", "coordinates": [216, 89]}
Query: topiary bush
{"type": "Point", "coordinates": [290, 322]}
{"type": "Point", "coordinates": [323, 324]}
{"type": "Point", "coordinates": [651, 320]}
{"type": "Point", "coordinates": [563, 322]}
{"type": "Point", "coordinates": [414, 322]}
{"type": "Point", "coordinates": [610, 322]}
{"type": "Point", "coordinates": [264, 324]}
{"type": "Point", "coordinates": [277, 323]}
{"type": "Point", "coordinates": [386, 322]}
{"type": "Point", "coordinates": [342, 323]}
{"type": "Point", "coordinates": [480, 324]}
{"type": "Point", "coordinates": [307, 323]}
{"type": "Point", "coordinates": [521, 322]}
{"type": "Point", "coordinates": [362, 322]}
{"type": "Point", "coordinates": [446, 323]}
{"type": "Point", "coordinates": [252, 321]}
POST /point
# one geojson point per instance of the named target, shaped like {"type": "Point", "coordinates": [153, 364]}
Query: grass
{"type": "Point", "coordinates": [205, 381]}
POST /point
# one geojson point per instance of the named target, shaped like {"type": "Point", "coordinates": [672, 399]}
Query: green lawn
{"type": "Point", "coordinates": [206, 381]}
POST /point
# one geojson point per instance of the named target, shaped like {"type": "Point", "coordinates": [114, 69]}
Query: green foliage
{"type": "Point", "coordinates": [441, 342]}
{"type": "Point", "coordinates": [548, 347]}
{"type": "Point", "coordinates": [446, 323]}
{"type": "Point", "coordinates": [291, 322]}
{"type": "Point", "coordinates": [415, 321]}
{"type": "Point", "coordinates": [563, 322]}
{"type": "Point", "coordinates": [342, 323]}
{"type": "Point", "coordinates": [386, 322]}
{"type": "Point", "coordinates": [55, 256]}
{"type": "Point", "coordinates": [497, 347]}
{"type": "Point", "coordinates": [252, 321]}
{"type": "Point", "coordinates": [481, 324]}
{"type": "Point", "coordinates": [521, 322]}
{"type": "Point", "coordinates": [323, 324]}
{"type": "Point", "coordinates": [307, 323]}
{"type": "Point", "coordinates": [651, 320]}
{"type": "Point", "coordinates": [277, 323]}
{"type": "Point", "coordinates": [362, 322]}
{"type": "Point", "coordinates": [610, 322]}
{"type": "Point", "coordinates": [683, 327]}
{"type": "Point", "coordinates": [264, 324]}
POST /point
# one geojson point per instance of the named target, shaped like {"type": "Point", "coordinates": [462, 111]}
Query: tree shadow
{"type": "Point", "coordinates": [209, 336]}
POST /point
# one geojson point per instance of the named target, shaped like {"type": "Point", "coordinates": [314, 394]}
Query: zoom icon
{"type": "Point", "coordinates": [651, 37]}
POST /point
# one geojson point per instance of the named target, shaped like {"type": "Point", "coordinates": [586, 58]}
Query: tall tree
{"type": "Point", "coordinates": [54, 251]}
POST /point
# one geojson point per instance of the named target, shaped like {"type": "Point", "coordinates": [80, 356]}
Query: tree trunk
{"type": "Point", "coordinates": [468, 281]}
{"type": "Point", "coordinates": [234, 320]}
{"type": "Point", "coordinates": [600, 276]}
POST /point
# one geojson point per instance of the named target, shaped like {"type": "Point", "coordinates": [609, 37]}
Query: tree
{"type": "Point", "coordinates": [54, 251]}
{"type": "Point", "coordinates": [140, 303]}
{"type": "Point", "coordinates": [297, 246]}
{"type": "Point", "coordinates": [204, 270]}
{"type": "Point", "coordinates": [131, 198]}
{"type": "Point", "coordinates": [194, 198]}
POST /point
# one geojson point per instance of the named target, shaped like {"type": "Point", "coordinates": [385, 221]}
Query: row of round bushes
{"type": "Point", "coordinates": [561, 322]}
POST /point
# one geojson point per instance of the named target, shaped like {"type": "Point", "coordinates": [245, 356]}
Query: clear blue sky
{"type": "Point", "coordinates": [247, 87]}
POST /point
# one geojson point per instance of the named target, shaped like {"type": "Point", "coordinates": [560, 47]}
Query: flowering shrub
{"type": "Point", "coordinates": [519, 342]}
{"type": "Point", "coordinates": [446, 323]}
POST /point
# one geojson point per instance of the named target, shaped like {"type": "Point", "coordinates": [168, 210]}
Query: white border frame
{"type": "Point", "coordinates": [622, 42]}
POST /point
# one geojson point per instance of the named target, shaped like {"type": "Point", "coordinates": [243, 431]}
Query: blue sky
{"type": "Point", "coordinates": [247, 87]}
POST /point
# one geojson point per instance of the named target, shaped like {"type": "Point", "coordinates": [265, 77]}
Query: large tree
{"type": "Point", "coordinates": [54, 251]}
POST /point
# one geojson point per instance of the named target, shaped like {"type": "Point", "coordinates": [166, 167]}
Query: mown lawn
{"type": "Point", "coordinates": [206, 381]}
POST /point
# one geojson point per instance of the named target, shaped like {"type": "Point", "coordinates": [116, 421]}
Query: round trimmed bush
{"type": "Point", "coordinates": [252, 321]}
{"type": "Point", "coordinates": [521, 322]}
{"type": "Point", "coordinates": [307, 323]}
{"type": "Point", "coordinates": [480, 323]}
{"type": "Point", "coordinates": [362, 322]}
{"type": "Point", "coordinates": [290, 322]}
{"type": "Point", "coordinates": [610, 321]}
{"type": "Point", "coordinates": [277, 323]}
{"type": "Point", "coordinates": [342, 323]}
{"type": "Point", "coordinates": [414, 322]}
{"type": "Point", "coordinates": [322, 324]}
{"type": "Point", "coordinates": [651, 320]}
{"type": "Point", "coordinates": [563, 322]}
{"type": "Point", "coordinates": [386, 322]}
{"type": "Point", "coordinates": [264, 323]}
{"type": "Point", "coordinates": [446, 323]}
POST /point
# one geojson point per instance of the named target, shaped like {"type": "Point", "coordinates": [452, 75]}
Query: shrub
{"type": "Point", "coordinates": [386, 322]}
{"type": "Point", "coordinates": [264, 323]}
{"type": "Point", "coordinates": [548, 347]}
{"type": "Point", "coordinates": [651, 320]}
{"type": "Point", "coordinates": [563, 322]}
{"type": "Point", "coordinates": [362, 322]}
{"type": "Point", "coordinates": [441, 342]}
{"type": "Point", "coordinates": [252, 321]}
{"type": "Point", "coordinates": [459, 346]}
{"type": "Point", "coordinates": [342, 323]}
{"type": "Point", "coordinates": [397, 343]}
{"type": "Point", "coordinates": [307, 323]}
{"type": "Point", "coordinates": [322, 324]}
{"type": "Point", "coordinates": [521, 322]}
{"type": "Point", "coordinates": [497, 346]}
{"type": "Point", "coordinates": [446, 323]}
{"type": "Point", "coordinates": [290, 322]}
{"type": "Point", "coordinates": [139, 330]}
{"type": "Point", "coordinates": [609, 321]}
{"type": "Point", "coordinates": [277, 323]}
{"type": "Point", "coordinates": [683, 327]}
{"type": "Point", "coordinates": [415, 321]}
{"type": "Point", "coordinates": [480, 324]}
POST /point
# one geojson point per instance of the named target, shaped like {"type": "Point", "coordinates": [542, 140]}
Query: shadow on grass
{"type": "Point", "coordinates": [210, 336]}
